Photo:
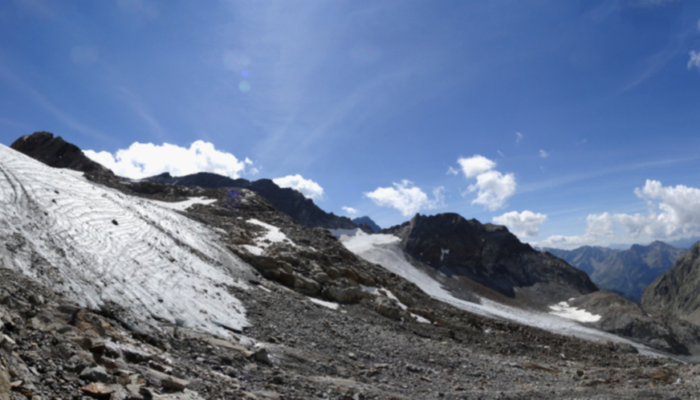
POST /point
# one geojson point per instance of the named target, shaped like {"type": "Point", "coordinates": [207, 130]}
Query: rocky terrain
{"type": "Point", "coordinates": [288, 201]}
{"type": "Point", "coordinates": [322, 322]}
{"type": "Point", "coordinates": [676, 291]}
{"type": "Point", "coordinates": [627, 272]}
{"type": "Point", "coordinates": [491, 256]}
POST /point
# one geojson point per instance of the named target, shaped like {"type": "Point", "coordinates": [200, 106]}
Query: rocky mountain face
{"type": "Point", "coordinates": [56, 152]}
{"type": "Point", "coordinates": [676, 291]}
{"type": "Point", "coordinates": [491, 256]}
{"type": "Point", "coordinates": [367, 220]}
{"type": "Point", "coordinates": [288, 201]}
{"type": "Point", "coordinates": [627, 272]}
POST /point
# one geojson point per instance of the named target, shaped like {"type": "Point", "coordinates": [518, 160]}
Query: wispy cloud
{"type": "Point", "coordinates": [351, 211]}
{"type": "Point", "coordinates": [694, 59]}
{"type": "Point", "coordinates": [543, 154]}
{"type": "Point", "coordinates": [518, 137]}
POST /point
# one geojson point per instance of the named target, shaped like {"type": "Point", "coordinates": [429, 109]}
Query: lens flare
{"type": "Point", "coordinates": [245, 74]}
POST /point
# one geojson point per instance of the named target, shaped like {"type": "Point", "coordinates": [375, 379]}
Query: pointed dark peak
{"type": "Point", "coordinates": [367, 220]}
{"type": "Point", "coordinates": [56, 152]}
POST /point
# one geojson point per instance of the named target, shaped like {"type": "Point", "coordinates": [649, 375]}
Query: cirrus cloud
{"type": "Point", "coordinates": [406, 197]}
{"type": "Point", "coordinates": [524, 224]}
{"type": "Point", "coordinates": [307, 187]}
{"type": "Point", "coordinates": [142, 160]}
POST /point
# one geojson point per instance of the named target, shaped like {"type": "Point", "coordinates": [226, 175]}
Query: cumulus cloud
{"type": "Point", "coordinates": [350, 210]}
{"type": "Point", "coordinates": [307, 187]}
{"type": "Point", "coordinates": [674, 212]}
{"type": "Point", "coordinates": [524, 224]}
{"type": "Point", "coordinates": [694, 59]}
{"type": "Point", "coordinates": [474, 166]}
{"type": "Point", "coordinates": [544, 154]}
{"type": "Point", "coordinates": [406, 197]}
{"type": "Point", "coordinates": [493, 188]}
{"type": "Point", "coordinates": [141, 160]}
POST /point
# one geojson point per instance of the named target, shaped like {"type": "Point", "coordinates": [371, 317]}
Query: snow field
{"type": "Point", "coordinates": [97, 245]}
{"type": "Point", "coordinates": [386, 251]}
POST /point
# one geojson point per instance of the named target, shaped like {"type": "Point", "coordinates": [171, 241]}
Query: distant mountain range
{"type": "Point", "coordinates": [627, 272]}
{"type": "Point", "coordinates": [288, 201]}
{"type": "Point", "coordinates": [367, 220]}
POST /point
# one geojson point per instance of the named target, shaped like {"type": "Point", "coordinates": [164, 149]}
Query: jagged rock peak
{"type": "Point", "coordinates": [55, 152]}
{"type": "Point", "coordinates": [490, 255]}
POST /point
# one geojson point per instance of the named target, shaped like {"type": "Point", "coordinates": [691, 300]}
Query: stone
{"type": "Point", "coordinates": [95, 374]}
{"type": "Point", "coordinates": [350, 294]}
{"type": "Point", "coordinates": [5, 385]}
{"type": "Point", "coordinates": [98, 390]}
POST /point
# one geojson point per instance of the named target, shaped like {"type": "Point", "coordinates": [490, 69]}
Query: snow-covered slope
{"type": "Point", "coordinates": [386, 251]}
{"type": "Point", "coordinates": [99, 246]}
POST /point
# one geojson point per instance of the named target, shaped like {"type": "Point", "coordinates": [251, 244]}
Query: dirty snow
{"type": "Point", "coordinates": [564, 310]}
{"type": "Point", "coordinates": [184, 205]}
{"type": "Point", "coordinates": [272, 235]}
{"type": "Point", "coordinates": [96, 245]}
{"type": "Point", "coordinates": [385, 250]}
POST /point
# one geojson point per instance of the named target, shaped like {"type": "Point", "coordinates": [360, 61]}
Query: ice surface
{"type": "Point", "coordinates": [385, 250]}
{"type": "Point", "coordinates": [564, 310]}
{"type": "Point", "coordinates": [96, 245]}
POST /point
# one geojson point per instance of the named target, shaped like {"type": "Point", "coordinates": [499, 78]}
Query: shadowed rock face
{"type": "Point", "coordinates": [677, 292]}
{"type": "Point", "coordinates": [367, 220]}
{"type": "Point", "coordinates": [288, 201]}
{"type": "Point", "coordinates": [55, 152]}
{"type": "Point", "coordinates": [490, 255]}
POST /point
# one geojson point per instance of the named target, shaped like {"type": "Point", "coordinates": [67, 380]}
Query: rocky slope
{"type": "Point", "coordinates": [288, 201]}
{"type": "Point", "coordinates": [491, 256]}
{"type": "Point", "coordinates": [676, 291]}
{"type": "Point", "coordinates": [322, 323]}
{"type": "Point", "coordinates": [627, 272]}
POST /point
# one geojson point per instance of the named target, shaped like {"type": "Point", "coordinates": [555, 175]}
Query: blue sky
{"type": "Point", "coordinates": [585, 114]}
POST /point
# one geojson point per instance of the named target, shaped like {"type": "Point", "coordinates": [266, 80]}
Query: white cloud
{"type": "Point", "coordinates": [406, 198]}
{"type": "Point", "coordinates": [141, 160]}
{"type": "Point", "coordinates": [452, 171]}
{"type": "Point", "coordinates": [524, 224]}
{"type": "Point", "coordinates": [518, 137]}
{"type": "Point", "coordinates": [475, 165]}
{"type": "Point", "coordinates": [674, 212]}
{"type": "Point", "coordinates": [350, 210]}
{"type": "Point", "coordinates": [307, 187]}
{"type": "Point", "coordinates": [694, 59]}
{"type": "Point", "coordinates": [493, 187]}
{"type": "Point", "coordinates": [544, 154]}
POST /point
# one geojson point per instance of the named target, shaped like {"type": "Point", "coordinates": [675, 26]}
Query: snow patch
{"type": "Point", "coordinates": [383, 292]}
{"type": "Point", "coordinates": [443, 252]}
{"type": "Point", "coordinates": [564, 310]}
{"type": "Point", "coordinates": [327, 304]}
{"type": "Point", "coordinates": [184, 205]}
{"type": "Point", "coordinates": [273, 234]}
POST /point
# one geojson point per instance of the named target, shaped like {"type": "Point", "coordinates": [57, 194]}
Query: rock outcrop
{"type": "Point", "coordinates": [56, 152]}
{"type": "Point", "coordinates": [288, 201]}
{"type": "Point", "coordinates": [677, 292]}
{"type": "Point", "coordinates": [490, 255]}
